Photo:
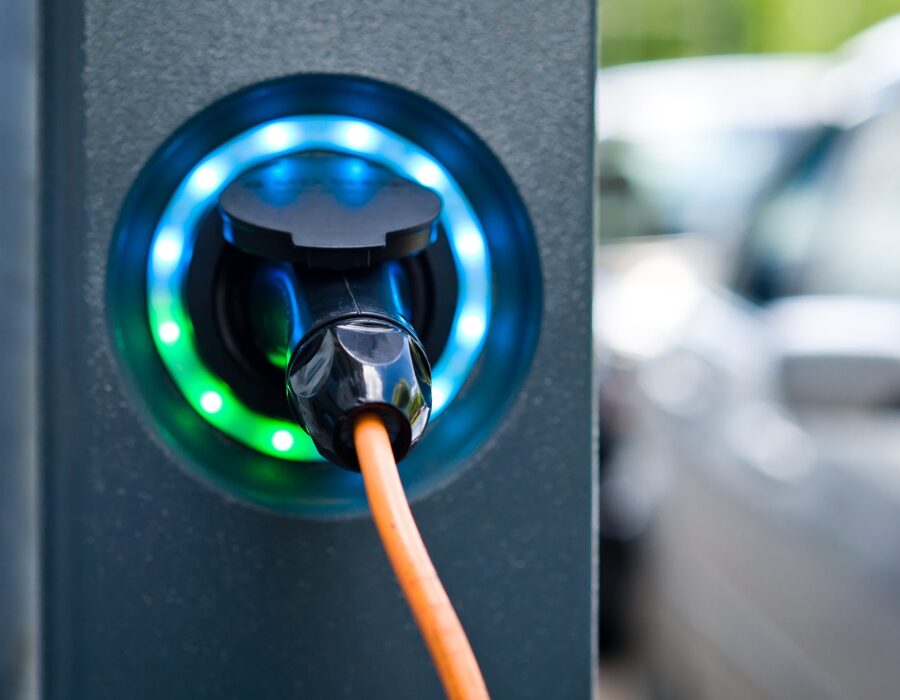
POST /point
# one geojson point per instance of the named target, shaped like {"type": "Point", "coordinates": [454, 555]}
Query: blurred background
{"type": "Point", "coordinates": [747, 321]}
{"type": "Point", "coordinates": [644, 30]}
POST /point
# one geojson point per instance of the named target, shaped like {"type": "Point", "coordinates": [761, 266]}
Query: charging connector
{"type": "Point", "coordinates": [331, 229]}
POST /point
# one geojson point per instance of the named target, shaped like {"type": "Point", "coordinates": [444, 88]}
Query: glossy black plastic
{"type": "Point", "coordinates": [350, 346]}
{"type": "Point", "coordinates": [361, 363]}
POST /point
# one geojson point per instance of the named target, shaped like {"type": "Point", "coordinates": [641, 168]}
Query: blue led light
{"type": "Point", "coordinates": [176, 233]}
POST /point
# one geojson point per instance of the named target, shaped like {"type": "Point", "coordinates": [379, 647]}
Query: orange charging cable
{"type": "Point", "coordinates": [444, 636]}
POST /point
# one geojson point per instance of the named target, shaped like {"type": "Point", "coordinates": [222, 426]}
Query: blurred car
{"type": "Point", "coordinates": [766, 427]}
{"type": "Point", "coordinates": [685, 146]}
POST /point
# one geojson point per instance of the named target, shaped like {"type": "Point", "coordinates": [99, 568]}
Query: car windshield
{"type": "Point", "coordinates": [833, 228]}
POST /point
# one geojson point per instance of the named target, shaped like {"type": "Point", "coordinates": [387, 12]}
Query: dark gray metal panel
{"type": "Point", "coordinates": [18, 632]}
{"type": "Point", "coordinates": [156, 586]}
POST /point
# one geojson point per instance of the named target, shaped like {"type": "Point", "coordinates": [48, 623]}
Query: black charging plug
{"type": "Point", "coordinates": [329, 300]}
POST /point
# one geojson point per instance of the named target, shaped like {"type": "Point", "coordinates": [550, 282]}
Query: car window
{"type": "Point", "coordinates": [857, 250]}
{"type": "Point", "coordinates": [833, 227]}
{"type": "Point", "coordinates": [687, 180]}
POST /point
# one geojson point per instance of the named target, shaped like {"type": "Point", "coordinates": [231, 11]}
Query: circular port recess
{"type": "Point", "coordinates": [262, 458]}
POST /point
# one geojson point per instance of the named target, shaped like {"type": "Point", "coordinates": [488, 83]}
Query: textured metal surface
{"type": "Point", "coordinates": [156, 586]}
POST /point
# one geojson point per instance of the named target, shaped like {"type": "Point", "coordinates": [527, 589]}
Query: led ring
{"type": "Point", "coordinates": [175, 235]}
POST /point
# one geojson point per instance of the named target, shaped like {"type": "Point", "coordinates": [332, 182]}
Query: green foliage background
{"type": "Point", "coordinates": [638, 30]}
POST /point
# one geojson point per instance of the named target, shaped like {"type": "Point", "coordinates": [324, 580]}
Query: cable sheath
{"type": "Point", "coordinates": [444, 636]}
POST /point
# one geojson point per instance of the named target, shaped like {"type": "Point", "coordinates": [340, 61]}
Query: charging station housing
{"type": "Point", "coordinates": [155, 584]}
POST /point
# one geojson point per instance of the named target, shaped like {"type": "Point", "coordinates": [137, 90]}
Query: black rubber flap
{"type": "Point", "coordinates": [329, 211]}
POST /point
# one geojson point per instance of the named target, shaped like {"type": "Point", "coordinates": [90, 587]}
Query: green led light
{"type": "Point", "coordinates": [168, 332]}
{"type": "Point", "coordinates": [282, 440]}
{"type": "Point", "coordinates": [211, 401]}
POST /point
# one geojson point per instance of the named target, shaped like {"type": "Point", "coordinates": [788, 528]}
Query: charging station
{"type": "Point", "coordinates": [195, 542]}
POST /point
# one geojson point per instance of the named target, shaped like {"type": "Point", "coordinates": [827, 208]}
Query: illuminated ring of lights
{"type": "Point", "coordinates": [176, 232]}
